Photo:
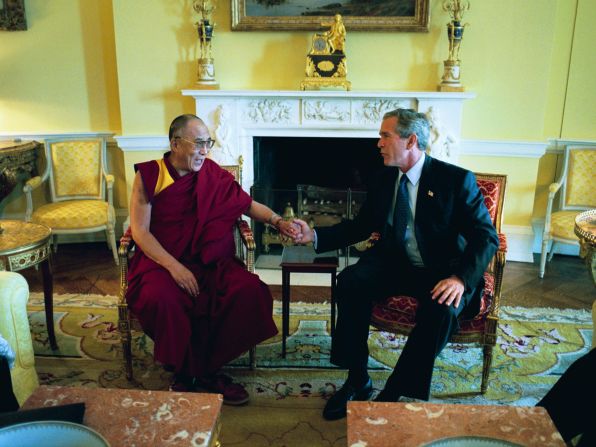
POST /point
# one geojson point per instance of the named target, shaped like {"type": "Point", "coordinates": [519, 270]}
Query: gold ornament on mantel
{"type": "Point", "coordinates": [450, 82]}
{"type": "Point", "coordinates": [326, 63]}
{"type": "Point", "coordinates": [205, 25]}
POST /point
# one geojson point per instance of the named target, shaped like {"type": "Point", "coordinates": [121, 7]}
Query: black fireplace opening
{"type": "Point", "coordinates": [321, 180]}
{"type": "Point", "coordinates": [337, 163]}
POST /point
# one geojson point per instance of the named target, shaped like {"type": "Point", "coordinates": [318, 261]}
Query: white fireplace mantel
{"type": "Point", "coordinates": [234, 117]}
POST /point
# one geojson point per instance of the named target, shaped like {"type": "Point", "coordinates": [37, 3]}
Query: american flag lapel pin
{"type": "Point", "coordinates": [430, 193]}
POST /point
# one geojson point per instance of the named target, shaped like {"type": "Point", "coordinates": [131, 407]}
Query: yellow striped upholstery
{"type": "Point", "coordinates": [581, 184]}
{"type": "Point", "coordinates": [76, 168]}
{"type": "Point", "coordinates": [74, 214]}
{"type": "Point", "coordinates": [562, 223]}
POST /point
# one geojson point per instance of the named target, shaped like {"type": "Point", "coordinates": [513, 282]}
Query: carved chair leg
{"type": "Point", "coordinates": [111, 235]}
{"type": "Point", "coordinates": [127, 351]}
{"type": "Point", "coordinates": [252, 357]}
{"type": "Point", "coordinates": [543, 256]}
{"type": "Point", "coordinates": [486, 364]}
{"type": "Point", "coordinates": [125, 336]}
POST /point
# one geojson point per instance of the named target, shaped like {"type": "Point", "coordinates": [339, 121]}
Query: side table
{"type": "Point", "coordinates": [585, 230]}
{"type": "Point", "coordinates": [372, 424]}
{"type": "Point", "coordinates": [141, 417]}
{"type": "Point", "coordinates": [24, 245]}
{"type": "Point", "coordinates": [17, 158]}
{"type": "Point", "coordinates": [301, 258]}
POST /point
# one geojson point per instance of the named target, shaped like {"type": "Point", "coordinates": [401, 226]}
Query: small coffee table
{"type": "Point", "coordinates": [140, 417]}
{"type": "Point", "coordinates": [24, 245]}
{"type": "Point", "coordinates": [303, 259]}
{"type": "Point", "coordinates": [415, 424]}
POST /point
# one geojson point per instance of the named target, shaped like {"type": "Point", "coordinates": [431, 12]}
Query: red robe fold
{"type": "Point", "coordinates": [193, 220]}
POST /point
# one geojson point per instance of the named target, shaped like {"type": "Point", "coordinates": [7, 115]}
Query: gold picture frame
{"type": "Point", "coordinates": [12, 15]}
{"type": "Point", "coordinates": [383, 15]}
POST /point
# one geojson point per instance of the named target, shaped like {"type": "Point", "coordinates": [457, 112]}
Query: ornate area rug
{"type": "Point", "coordinates": [535, 346]}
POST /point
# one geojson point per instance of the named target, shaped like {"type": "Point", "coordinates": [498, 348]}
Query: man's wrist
{"type": "Point", "coordinates": [274, 220]}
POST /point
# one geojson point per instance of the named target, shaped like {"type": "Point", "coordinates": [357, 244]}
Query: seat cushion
{"type": "Point", "coordinates": [562, 223]}
{"type": "Point", "coordinates": [73, 214]}
{"type": "Point", "coordinates": [399, 312]}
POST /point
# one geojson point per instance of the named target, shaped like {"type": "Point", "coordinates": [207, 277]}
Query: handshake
{"type": "Point", "coordinates": [297, 230]}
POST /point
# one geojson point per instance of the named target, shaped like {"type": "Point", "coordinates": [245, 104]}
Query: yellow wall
{"type": "Point", "coordinates": [60, 74]}
{"type": "Point", "coordinates": [119, 65]}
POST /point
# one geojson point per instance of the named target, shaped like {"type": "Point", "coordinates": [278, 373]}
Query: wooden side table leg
{"type": "Point", "coordinates": [285, 309]}
{"type": "Point", "coordinates": [48, 292]}
{"type": "Point", "coordinates": [333, 282]}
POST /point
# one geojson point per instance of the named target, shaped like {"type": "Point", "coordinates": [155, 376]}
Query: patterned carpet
{"type": "Point", "coordinates": [534, 347]}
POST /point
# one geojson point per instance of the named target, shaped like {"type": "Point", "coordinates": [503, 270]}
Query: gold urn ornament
{"type": "Point", "coordinates": [450, 82]}
{"type": "Point", "coordinates": [326, 63]}
{"type": "Point", "coordinates": [205, 26]}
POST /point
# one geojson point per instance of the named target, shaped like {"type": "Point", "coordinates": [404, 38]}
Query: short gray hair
{"type": "Point", "coordinates": [179, 124]}
{"type": "Point", "coordinates": [411, 122]}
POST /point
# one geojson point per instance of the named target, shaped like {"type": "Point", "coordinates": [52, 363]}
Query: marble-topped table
{"type": "Point", "coordinates": [139, 417]}
{"type": "Point", "coordinates": [376, 424]}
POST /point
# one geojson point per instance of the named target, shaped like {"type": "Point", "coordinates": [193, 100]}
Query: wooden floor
{"type": "Point", "coordinates": [90, 268]}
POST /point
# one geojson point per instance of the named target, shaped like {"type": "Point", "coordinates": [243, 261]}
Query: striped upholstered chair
{"type": "Point", "coordinates": [577, 187]}
{"type": "Point", "coordinates": [397, 314]}
{"type": "Point", "coordinates": [76, 170]}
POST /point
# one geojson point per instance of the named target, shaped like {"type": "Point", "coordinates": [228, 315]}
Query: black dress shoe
{"type": "Point", "coordinates": [337, 405]}
{"type": "Point", "coordinates": [386, 396]}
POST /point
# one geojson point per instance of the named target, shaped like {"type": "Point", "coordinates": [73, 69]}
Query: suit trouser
{"type": "Point", "coordinates": [563, 400]}
{"type": "Point", "coordinates": [8, 401]}
{"type": "Point", "coordinates": [372, 279]}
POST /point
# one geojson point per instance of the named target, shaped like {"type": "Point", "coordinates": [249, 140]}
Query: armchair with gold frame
{"type": "Point", "coordinates": [76, 170]}
{"type": "Point", "coordinates": [577, 187]}
{"type": "Point", "coordinates": [245, 251]}
{"type": "Point", "coordinates": [397, 314]}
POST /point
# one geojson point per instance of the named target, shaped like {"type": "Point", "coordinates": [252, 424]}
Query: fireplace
{"type": "Point", "coordinates": [241, 121]}
{"type": "Point", "coordinates": [321, 180]}
{"type": "Point", "coordinates": [236, 117]}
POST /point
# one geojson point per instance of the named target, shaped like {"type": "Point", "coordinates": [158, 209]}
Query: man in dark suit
{"type": "Point", "coordinates": [436, 241]}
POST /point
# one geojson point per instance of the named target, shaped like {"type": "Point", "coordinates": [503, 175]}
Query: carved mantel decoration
{"type": "Point", "coordinates": [235, 117]}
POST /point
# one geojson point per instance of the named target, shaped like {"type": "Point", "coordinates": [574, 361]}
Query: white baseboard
{"type": "Point", "coordinates": [520, 240]}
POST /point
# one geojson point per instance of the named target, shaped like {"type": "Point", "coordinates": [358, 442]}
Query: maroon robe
{"type": "Point", "coordinates": [193, 220]}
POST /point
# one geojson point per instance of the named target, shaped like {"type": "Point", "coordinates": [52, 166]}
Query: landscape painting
{"type": "Point", "coordinates": [369, 15]}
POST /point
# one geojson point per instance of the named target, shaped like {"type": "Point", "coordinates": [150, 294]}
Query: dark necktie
{"type": "Point", "coordinates": [402, 210]}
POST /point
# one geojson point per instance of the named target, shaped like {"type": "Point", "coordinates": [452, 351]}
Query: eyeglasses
{"type": "Point", "coordinates": [200, 144]}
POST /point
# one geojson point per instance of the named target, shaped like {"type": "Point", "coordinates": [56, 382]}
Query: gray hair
{"type": "Point", "coordinates": [179, 124]}
{"type": "Point", "coordinates": [411, 122]}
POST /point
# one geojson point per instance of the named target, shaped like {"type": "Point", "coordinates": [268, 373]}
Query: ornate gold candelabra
{"type": "Point", "coordinates": [450, 82]}
{"type": "Point", "coordinates": [205, 25]}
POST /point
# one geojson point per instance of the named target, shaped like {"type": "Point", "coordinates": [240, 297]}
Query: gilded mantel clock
{"type": "Point", "coordinates": [326, 64]}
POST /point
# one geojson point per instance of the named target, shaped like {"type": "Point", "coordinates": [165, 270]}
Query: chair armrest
{"type": "Point", "coordinates": [126, 244]}
{"type": "Point", "coordinates": [552, 192]}
{"type": "Point", "coordinates": [30, 185]}
{"type": "Point", "coordinates": [109, 180]}
{"type": "Point", "coordinates": [497, 268]}
{"type": "Point", "coordinates": [247, 239]}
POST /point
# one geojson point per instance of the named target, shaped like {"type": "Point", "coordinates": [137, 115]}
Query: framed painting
{"type": "Point", "coordinates": [357, 15]}
{"type": "Point", "coordinates": [12, 15]}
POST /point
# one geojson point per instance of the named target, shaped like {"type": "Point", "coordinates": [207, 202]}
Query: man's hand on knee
{"type": "Point", "coordinates": [448, 291]}
{"type": "Point", "coordinates": [185, 279]}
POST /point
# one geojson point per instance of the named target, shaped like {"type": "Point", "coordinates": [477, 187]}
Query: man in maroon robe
{"type": "Point", "coordinates": [193, 297]}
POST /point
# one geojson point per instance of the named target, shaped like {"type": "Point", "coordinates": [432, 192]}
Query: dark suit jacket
{"type": "Point", "coordinates": [453, 229]}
